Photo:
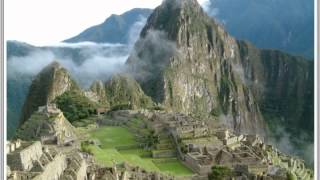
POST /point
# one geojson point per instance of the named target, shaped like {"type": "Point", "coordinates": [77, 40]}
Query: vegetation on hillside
{"type": "Point", "coordinates": [75, 106]}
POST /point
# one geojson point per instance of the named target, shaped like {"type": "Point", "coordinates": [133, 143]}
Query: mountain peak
{"type": "Point", "coordinates": [180, 3]}
{"type": "Point", "coordinates": [172, 16]}
{"type": "Point", "coordinates": [55, 65]}
{"type": "Point", "coordinates": [50, 83]}
{"type": "Point", "coordinates": [191, 65]}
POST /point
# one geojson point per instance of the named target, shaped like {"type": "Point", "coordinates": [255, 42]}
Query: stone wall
{"type": "Point", "coordinates": [30, 154]}
{"type": "Point", "coordinates": [54, 169]}
{"type": "Point", "coordinates": [82, 171]}
{"type": "Point", "coordinates": [193, 164]}
{"type": "Point", "coordinates": [22, 160]}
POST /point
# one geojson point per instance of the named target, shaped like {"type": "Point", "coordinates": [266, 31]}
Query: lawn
{"type": "Point", "coordinates": [113, 137]}
{"type": "Point", "coordinates": [177, 166]}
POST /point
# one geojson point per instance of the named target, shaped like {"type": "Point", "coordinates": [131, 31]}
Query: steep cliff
{"type": "Point", "coordinates": [124, 92]}
{"type": "Point", "coordinates": [186, 61]}
{"type": "Point", "coordinates": [283, 86]}
{"type": "Point", "coordinates": [98, 91]}
{"type": "Point", "coordinates": [50, 83]}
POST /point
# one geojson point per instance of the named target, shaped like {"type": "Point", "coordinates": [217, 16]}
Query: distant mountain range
{"type": "Point", "coordinates": [277, 24]}
{"type": "Point", "coordinates": [115, 29]}
{"type": "Point", "coordinates": [287, 25]}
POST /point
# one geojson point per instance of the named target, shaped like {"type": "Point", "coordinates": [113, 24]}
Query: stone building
{"type": "Point", "coordinates": [37, 162]}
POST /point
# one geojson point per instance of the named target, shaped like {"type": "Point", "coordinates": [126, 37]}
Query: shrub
{"type": "Point", "coordinates": [75, 105]}
{"type": "Point", "coordinates": [220, 172]}
{"type": "Point", "coordinates": [85, 148]}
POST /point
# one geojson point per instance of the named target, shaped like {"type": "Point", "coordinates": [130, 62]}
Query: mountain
{"type": "Point", "coordinates": [25, 61]}
{"type": "Point", "coordinates": [188, 62]}
{"type": "Point", "coordinates": [55, 85]}
{"type": "Point", "coordinates": [51, 82]}
{"type": "Point", "coordinates": [264, 23]}
{"type": "Point", "coordinates": [282, 84]}
{"type": "Point", "coordinates": [115, 29]}
{"type": "Point", "coordinates": [287, 25]}
{"type": "Point", "coordinates": [124, 92]}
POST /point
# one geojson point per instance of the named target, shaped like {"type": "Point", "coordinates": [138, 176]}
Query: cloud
{"type": "Point", "coordinates": [297, 146]}
{"type": "Point", "coordinates": [99, 62]}
{"type": "Point", "coordinates": [85, 44]}
{"type": "Point", "coordinates": [150, 55]}
{"type": "Point", "coordinates": [135, 30]}
{"type": "Point", "coordinates": [29, 65]}
{"type": "Point", "coordinates": [86, 61]}
{"type": "Point", "coordinates": [205, 4]}
{"type": "Point", "coordinates": [209, 7]}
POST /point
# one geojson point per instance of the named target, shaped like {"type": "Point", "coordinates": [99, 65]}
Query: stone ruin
{"type": "Point", "coordinates": [124, 172]}
{"type": "Point", "coordinates": [201, 148]}
{"type": "Point", "coordinates": [246, 154]}
{"type": "Point", "coordinates": [58, 130]}
{"type": "Point", "coordinates": [12, 146]}
{"type": "Point", "coordinates": [49, 109]}
{"type": "Point", "coordinates": [39, 162]}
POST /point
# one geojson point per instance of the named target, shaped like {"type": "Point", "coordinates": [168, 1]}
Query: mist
{"type": "Point", "coordinates": [297, 146]}
{"type": "Point", "coordinates": [86, 61]}
{"type": "Point", "coordinates": [150, 55]}
{"type": "Point", "coordinates": [98, 63]}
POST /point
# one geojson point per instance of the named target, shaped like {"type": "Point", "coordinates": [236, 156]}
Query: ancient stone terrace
{"type": "Point", "coordinates": [38, 162]}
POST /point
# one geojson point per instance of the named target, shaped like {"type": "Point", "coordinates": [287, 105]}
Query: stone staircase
{"type": "Point", "coordinates": [165, 147]}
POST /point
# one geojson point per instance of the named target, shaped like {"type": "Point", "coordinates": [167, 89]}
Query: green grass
{"type": "Point", "coordinates": [174, 167]}
{"type": "Point", "coordinates": [107, 156]}
{"type": "Point", "coordinates": [113, 137]}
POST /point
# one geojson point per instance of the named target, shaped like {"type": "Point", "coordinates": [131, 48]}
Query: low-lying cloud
{"type": "Point", "coordinates": [98, 63]}
{"type": "Point", "coordinates": [209, 7]}
{"type": "Point", "coordinates": [151, 54]}
{"type": "Point", "coordinates": [86, 61]}
{"type": "Point", "coordinates": [299, 146]}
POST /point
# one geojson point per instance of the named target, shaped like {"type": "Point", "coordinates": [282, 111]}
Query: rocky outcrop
{"type": "Point", "coordinates": [97, 93]}
{"type": "Point", "coordinates": [124, 92]}
{"type": "Point", "coordinates": [191, 65]}
{"type": "Point", "coordinates": [50, 83]}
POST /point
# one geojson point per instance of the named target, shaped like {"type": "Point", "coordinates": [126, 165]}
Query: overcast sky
{"type": "Point", "coordinates": [43, 22]}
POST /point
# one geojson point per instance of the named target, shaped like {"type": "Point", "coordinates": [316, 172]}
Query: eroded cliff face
{"type": "Point", "coordinates": [123, 92]}
{"type": "Point", "coordinates": [283, 87]}
{"type": "Point", "coordinates": [50, 83]}
{"type": "Point", "coordinates": [97, 93]}
{"type": "Point", "coordinates": [191, 65]}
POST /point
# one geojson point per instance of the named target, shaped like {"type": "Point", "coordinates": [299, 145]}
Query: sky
{"type": "Point", "coordinates": [45, 22]}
